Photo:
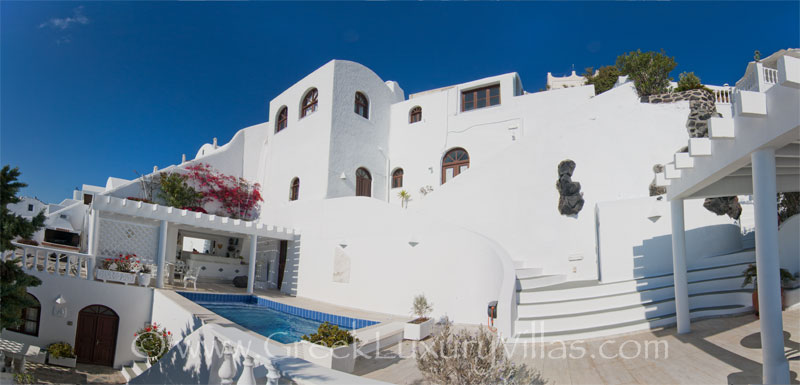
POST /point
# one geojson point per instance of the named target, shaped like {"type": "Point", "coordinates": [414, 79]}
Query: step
{"type": "Point", "coordinates": [683, 160]}
{"type": "Point", "coordinates": [540, 281]}
{"type": "Point", "coordinates": [699, 147]}
{"type": "Point", "coordinates": [627, 327]}
{"type": "Point", "coordinates": [380, 336]}
{"type": "Point", "coordinates": [671, 172]}
{"type": "Point", "coordinates": [590, 289]}
{"type": "Point", "coordinates": [128, 373]}
{"type": "Point", "coordinates": [529, 272]}
{"type": "Point", "coordinates": [140, 367]}
{"type": "Point", "coordinates": [578, 319]}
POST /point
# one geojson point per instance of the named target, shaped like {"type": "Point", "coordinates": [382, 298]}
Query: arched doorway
{"type": "Point", "coordinates": [96, 337]}
{"type": "Point", "coordinates": [454, 162]}
{"type": "Point", "coordinates": [363, 183]}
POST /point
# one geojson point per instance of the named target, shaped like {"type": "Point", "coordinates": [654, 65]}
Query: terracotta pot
{"type": "Point", "coordinates": [755, 301]}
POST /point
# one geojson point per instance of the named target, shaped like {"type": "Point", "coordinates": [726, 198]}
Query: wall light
{"type": "Point", "coordinates": [343, 176]}
{"type": "Point", "coordinates": [60, 307]}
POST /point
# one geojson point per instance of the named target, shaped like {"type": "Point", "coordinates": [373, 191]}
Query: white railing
{"type": "Point", "coordinates": [722, 95]}
{"type": "Point", "coordinates": [770, 76]}
{"type": "Point", "coordinates": [53, 261]}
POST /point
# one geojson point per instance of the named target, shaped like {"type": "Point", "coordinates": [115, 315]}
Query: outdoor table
{"type": "Point", "coordinates": [18, 351]}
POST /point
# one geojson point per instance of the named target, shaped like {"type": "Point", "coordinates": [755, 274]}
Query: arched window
{"type": "Point", "coordinates": [30, 318]}
{"type": "Point", "coordinates": [454, 162]}
{"type": "Point", "coordinates": [397, 178]}
{"type": "Point", "coordinates": [415, 115]}
{"type": "Point", "coordinates": [283, 119]}
{"type": "Point", "coordinates": [362, 105]}
{"type": "Point", "coordinates": [294, 190]}
{"type": "Point", "coordinates": [363, 183]}
{"type": "Point", "coordinates": [309, 103]}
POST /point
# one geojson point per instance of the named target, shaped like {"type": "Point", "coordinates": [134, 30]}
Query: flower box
{"type": "Point", "coordinates": [342, 358]}
{"type": "Point", "coordinates": [418, 330]}
{"type": "Point", "coordinates": [63, 361]}
{"type": "Point", "coordinates": [144, 279]}
{"type": "Point", "coordinates": [115, 276]}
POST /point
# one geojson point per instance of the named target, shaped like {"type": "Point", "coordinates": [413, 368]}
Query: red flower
{"type": "Point", "coordinates": [135, 334]}
{"type": "Point", "coordinates": [147, 329]}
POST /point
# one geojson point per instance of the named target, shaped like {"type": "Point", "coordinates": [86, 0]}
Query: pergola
{"type": "Point", "coordinates": [757, 152]}
{"type": "Point", "coordinates": [169, 215]}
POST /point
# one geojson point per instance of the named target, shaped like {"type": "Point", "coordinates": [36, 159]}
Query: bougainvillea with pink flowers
{"type": "Point", "coordinates": [238, 197]}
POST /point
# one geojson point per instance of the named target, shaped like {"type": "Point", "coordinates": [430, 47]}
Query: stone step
{"type": "Point", "coordinates": [128, 373]}
{"type": "Point", "coordinates": [683, 160]}
{"type": "Point", "coordinates": [529, 272]}
{"type": "Point", "coordinates": [140, 367]}
{"type": "Point", "coordinates": [540, 281]}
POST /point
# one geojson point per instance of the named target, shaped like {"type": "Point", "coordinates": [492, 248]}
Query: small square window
{"type": "Point", "coordinates": [30, 207]}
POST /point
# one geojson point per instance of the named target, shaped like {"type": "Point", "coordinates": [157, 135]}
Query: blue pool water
{"type": "Point", "coordinates": [275, 325]}
{"type": "Point", "coordinates": [274, 320]}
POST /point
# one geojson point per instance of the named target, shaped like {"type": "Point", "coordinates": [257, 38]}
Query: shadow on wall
{"type": "Point", "coordinates": [654, 255]}
{"type": "Point", "coordinates": [292, 270]}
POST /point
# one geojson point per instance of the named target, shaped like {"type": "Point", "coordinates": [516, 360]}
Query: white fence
{"type": "Point", "coordinates": [54, 261]}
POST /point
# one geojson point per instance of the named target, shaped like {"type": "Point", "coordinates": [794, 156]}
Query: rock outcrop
{"type": "Point", "coordinates": [571, 200]}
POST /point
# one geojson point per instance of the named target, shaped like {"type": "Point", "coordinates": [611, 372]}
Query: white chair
{"type": "Point", "coordinates": [191, 275]}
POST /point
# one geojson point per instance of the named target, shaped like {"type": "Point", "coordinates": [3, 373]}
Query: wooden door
{"type": "Point", "coordinates": [363, 183]}
{"type": "Point", "coordinates": [283, 250]}
{"type": "Point", "coordinates": [96, 338]}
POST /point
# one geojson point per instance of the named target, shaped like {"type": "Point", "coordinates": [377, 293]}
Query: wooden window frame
{"type": "Point", "coordinates": [283, 119]}
{"type": "Point", "coordinates": [367, 179]}
{"type": "Point", "coordinates": [362, 101]}
{"type": "Point", "coordinates": [397, 178]}
{"type": "Point", "coordinates": [456, 165]}
{"type": "Point", "coordinates": [310, 100]}
{"type": "Point", "coordinates": [415, 115]}
{"type": "Point", "coordinates": [475, 93]}
{"type": "Point", "coordinates": [294, 189]}
{"type": "Point", "coordinates": [21, 328]}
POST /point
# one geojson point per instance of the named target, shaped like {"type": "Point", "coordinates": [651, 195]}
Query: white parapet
{"type": "Point", "coordinates": [789, 71]}
{"type": "Point", "coordinates": [683, 160]}
{"type": "Point", "coordinates": [721, 128]}
{"type": "Point", "coordinates": [751, 103]}
{"type": "Point", "coordinates": [699, 146]}
{"type": "Point", "coordinates": [671, 172]}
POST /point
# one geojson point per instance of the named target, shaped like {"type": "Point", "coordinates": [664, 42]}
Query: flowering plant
{"type": "Point", "coordinates": [238, 197]}
{"type": "Point", "coordinates": [128, 263]}
{"type": "Point", "coordinates": [152, 342]}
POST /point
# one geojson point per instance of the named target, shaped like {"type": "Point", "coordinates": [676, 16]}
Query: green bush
{"type": "Point", "coordinates": [648, 70]}
{"type": "Point", "coordinates": [61, 350]}
{"type": "Point", "coordinates": [331, 336]}
{"type": "Point", "coordinates": [177, 193]}
{"type": "Point", "coordinates": [24, 378]}
{"type": "Point", "coordinates": [689, 81]}
{"type": "Point", "coordinates": [604, 80]}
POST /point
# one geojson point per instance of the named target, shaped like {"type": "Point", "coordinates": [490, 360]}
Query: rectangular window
{"type": "Point", "coordinates": [480, 98]}
{"type": "Point", "coordinates": [30, 207]}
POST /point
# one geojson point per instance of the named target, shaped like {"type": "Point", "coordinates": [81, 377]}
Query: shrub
{"type": "Point", "coordinates": [468, 357]}
{"type": "Point", "coordinates": [788, 205]}
{"type": "Point", "coordinates": [176, 192]}
{"type": "Point", "coordinates": [238, 197]}
{"type": "Point", "coordinates": [649, 70]}
{"type": "Point", "coordinates": [152, 342]}
{"type": "Point", "coordinates": [24, 378]}
{"type": "Point", "coordinates": [751, 275]}
{"type": "Point", "coordinates": [604, 80]}
{"type": "Point", "coordinates": [421, 308]}
{"type": "Point", "coordinates": [61, 350]}
{"type": "Point", "coordinates": [330, 335]}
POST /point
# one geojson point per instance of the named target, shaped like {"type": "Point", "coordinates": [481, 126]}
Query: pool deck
{"type": "Point", "coordinates": [724, 350]}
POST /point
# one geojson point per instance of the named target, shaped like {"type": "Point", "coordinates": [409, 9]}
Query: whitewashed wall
{"type": "Point", "coordinates": [116, 236]}
{"type": "Point", "coordinates": [511, 197]}
{"type": "Point", "coordinates": [132, 304]}
{"type": "Point", "coordinates": [458, 270]}
{"type": "Point", "coordinates": [635, 237]}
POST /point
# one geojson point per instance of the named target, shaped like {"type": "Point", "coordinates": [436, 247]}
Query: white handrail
{"type": "Point", "coordinates": [54, 261]}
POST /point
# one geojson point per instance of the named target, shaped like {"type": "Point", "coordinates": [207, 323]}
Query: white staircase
{"type": "Point", "coordinates": [551, 309]}
{"type": "Point", "coordinates": [134, 369]}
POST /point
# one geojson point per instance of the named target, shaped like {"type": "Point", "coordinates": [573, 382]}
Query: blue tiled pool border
{"type": "Point", "coordinates": [339, 320]}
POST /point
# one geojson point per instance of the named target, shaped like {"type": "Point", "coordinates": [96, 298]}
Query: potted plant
{"type": "Point", "coordinates": [122, 269]}
{"type": "Point", "coordinates": [751, 276]}
{"type": "Point", "coordinates": [420, 327]}
{"type": "Point", "coordinates": [152, 342]}
{"type": "Point", "coordinates": [61, 354]}
{"type": "Point", "coordinates": [330, 347]}
{"type": "Point", "coordinates": [145, 274]}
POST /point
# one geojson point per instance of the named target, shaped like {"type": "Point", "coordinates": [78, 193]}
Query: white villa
{"type": "Point", "coordinates": [480, 161]}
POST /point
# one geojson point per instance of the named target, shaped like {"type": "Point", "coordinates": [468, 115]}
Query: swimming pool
{"type": "Point", "coordinates": [274, 320]}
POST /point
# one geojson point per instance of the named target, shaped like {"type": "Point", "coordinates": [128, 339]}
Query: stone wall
{"type": "Point", "coordinates": [702, 108]}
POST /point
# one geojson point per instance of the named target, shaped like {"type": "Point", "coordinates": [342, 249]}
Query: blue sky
{"type": "Point", "coordinates": [91, 90]}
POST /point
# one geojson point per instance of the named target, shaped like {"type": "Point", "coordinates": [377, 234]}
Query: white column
{"type": "Point", "coordinates": [162, 254]}
{"type": "Point", "coordinates": [251, 268]}
{"type": "Point", "coordinates": [679, 267]}
{"type": "Point", "coordinates": [776, 368]}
